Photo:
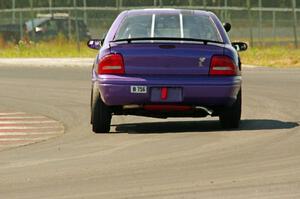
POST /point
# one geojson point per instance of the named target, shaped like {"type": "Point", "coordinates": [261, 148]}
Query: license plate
{"type": "Point", "coordinates": [138, 89]}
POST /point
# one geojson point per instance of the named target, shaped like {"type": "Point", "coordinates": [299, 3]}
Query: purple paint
{"type": "Point", "coordinates": [182, 67]}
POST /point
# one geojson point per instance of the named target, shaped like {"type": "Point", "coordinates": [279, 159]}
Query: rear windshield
{"type": "Point", "coordinates": [169, 26]}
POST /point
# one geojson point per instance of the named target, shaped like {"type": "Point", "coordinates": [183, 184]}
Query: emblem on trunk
{"type": "Point", "coordinates": [201, 60]}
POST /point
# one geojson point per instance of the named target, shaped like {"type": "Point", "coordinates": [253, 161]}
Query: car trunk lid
{"type": "Point", "coordinates": [167, 58]}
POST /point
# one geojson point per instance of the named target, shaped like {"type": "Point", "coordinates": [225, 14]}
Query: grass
{"type": "Point", "coordinates": [277, 56]}
{"type": "Point", "coordinates": [55, 48]}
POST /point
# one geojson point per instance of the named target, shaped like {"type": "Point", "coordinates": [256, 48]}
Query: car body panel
{"type": "Point", "coordinates": [206, 91]}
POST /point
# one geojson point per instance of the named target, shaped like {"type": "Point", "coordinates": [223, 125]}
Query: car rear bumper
{"type": "Point", "coordinates": [198, 91]}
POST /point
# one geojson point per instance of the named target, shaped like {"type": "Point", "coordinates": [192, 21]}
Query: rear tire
{"type": "Point", "coordinates": [100, 114]}
{"type": "Point", "coordinates": [231, 117]}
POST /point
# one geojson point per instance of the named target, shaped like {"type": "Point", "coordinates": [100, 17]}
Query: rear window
{"type": "Point", "coordinates": [169, 26]}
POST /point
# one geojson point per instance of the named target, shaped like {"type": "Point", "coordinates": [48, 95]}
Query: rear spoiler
{"type": "Point", "coordinates": [151, 39]}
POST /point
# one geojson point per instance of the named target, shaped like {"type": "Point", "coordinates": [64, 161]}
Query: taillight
{"type": "Point", "coordinates": [222, 65]}
{"type": "Point", "coordinates": [111, 64]}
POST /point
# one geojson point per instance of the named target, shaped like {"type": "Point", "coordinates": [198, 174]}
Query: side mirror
{"type": "Point", "coordinates": [94, 44]}
{"type": "Point", "coordinates": [227, 26]}
{"type": "Point", "coordinates": [240, 46]}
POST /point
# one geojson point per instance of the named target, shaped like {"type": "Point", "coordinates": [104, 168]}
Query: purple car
{"type": "Point", "coordinates": [166, 63]}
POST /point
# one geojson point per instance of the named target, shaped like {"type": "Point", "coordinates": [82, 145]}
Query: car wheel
{"type": "Point", "coordinates": [100, 114]}
{"type": "Point", "coordinates": [231, 117]}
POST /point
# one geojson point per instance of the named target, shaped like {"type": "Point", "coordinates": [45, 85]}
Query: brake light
{"type": "Point", "coordinates": [164, 93]}
{"type": "Point", "coordinates": [111, 64]}
{"type": "Point", "coordinates": [222, 65]}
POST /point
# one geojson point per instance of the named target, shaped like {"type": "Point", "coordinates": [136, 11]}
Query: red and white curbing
{"type": "Point", "coordinates": [19, 128]}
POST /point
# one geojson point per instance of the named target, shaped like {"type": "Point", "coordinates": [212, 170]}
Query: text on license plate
{"type": "Point", "coordinates": [138, 89]}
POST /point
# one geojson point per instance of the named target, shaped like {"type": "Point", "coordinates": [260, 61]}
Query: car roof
{"type": "Point", "coordinates": [30, 24]}
{"type": "Point", "coordinates": [38, 21]}
{"type": "Point", "coordinates": [167, 11]}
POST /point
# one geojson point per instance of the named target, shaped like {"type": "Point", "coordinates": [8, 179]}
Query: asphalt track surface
{"type": "Point", "coordinates": [19, 129]}
{"type": "Point", "coordinates": [152, 158]}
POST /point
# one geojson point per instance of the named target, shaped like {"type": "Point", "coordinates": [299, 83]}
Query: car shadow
{"type": "Point", "coordinates": [201, 126]}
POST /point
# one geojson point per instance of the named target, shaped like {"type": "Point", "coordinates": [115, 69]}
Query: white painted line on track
{"type": "Point", "coordinates": [13, 113]}
{"type": "Point", "coordinates": [29, 122]}
{"type": "Point", "coordinates": [46, 62]}
{"type": "Point", "coordinates": [32, 133]}
{"type": "Point", "coordinates": [29, 127]}
{"type": "Point", "coordinates": [22, 117]}
{"type": "Point", "coordinates": [24, 139]}
{"type": "Point", "coordinates": [20, 129]}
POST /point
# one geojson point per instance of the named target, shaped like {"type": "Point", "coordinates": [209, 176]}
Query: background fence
{"type": "Point", "coordinates": [260, 22]}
